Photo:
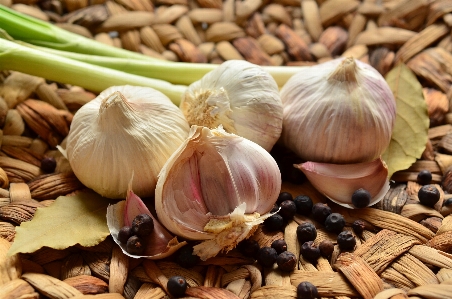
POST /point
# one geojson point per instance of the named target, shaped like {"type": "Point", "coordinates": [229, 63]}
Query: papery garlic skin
{"type": "Point", "coordinates": [217, 187]}
{"type": "Point", "coordinates": [125, 130]}
{"type": "Point", "coordinates": [240, 96]}
{"type": "Point", "coordinates": [159, 244]}
{"type": "Point", "coordinates": [338, 182]}
{"type": "Point", "coordinates": [341, 111]}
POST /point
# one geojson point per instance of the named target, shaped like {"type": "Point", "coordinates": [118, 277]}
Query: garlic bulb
{"type": "Point", "coordinates": [216, 187]}
{"type": "Point", "coordinates": [125, 130]}
{"type": "Point", "coordinates": [240, 96]}
{"type": "Point", "coordinates": [340, 111]}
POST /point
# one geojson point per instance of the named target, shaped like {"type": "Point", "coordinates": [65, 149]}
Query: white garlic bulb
{"type": "Point", "coordinates": [340, 111]}
{"type": "Point", "coordinates": [240, 96]}
{"type": "Point", "coordinates": [125, 130]}
{"type": "Point", "coordinates": [216, 187]}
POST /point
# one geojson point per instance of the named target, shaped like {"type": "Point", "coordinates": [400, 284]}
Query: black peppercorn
{"type": "Point", "coordinates": [177, 285]}
{"type": "Point", "coordinates": [124, 234]}
{"type": "Point", "coordinates": [346, 240]}
{"type": "Point", "coordinates": [428, 195]}
{"type": "Point", "coordinates": [306, 290]}
{"type": "Point", "coordinates": [135, 246]}
{"type": "Point", "coordinates": [286, 261]}
{"type": "Point", "coordinates": [288, 209]}
{"type": "Point", "coordinates": [48, 164]}
{"type": "Point", "coordinates": [304, 204]}
{"type": "Point", "coordinates": [185, 257]}
{"type": "Point", "coordinates": [335, 222]}
{"type": "Point", "coordinates": [310, 251]}
{"type": "Point", "coordinates": [279, 245]}
{"type": "Point", "coordinates": [306, 232]}
{"type": "Point", "coordinates": [361, 198]}
{"type": "Point", "coordinates": [424, 177]}
{"type": "Point", "coordinates": [142, 225]}
{"type": "Point", "coordinates": [320, 211]}
{"type": "Point", "coordinates": [326, 248]}
{"type": "Point", "coordinates": [358, 226]}
{"type": "Point", "coordinates": [266, 256]}
{"type": "Point", "coordinates": [274, 222]}
{"type": "Point", "coordinates": [249, 248]}
{"type": "Point", "coordinates": [284, 196]}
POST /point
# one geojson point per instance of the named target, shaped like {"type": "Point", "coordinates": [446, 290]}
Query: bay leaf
{"type": "Point", "coordinates": [78, 219]}
{"type": "Point", "coordinates": [410, 134]}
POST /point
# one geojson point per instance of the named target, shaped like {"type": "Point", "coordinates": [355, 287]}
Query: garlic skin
{"type": "Point", "coordinates": [216, 187]}
{"type": "Point", "coordinates": [160, 243]}
{"type": "Point", "coordinates": [341, 111]}
{"type": "Point", "coordinates": [240, 96]}
{"type": "Point", "coordinates": [339, 181]}
{"type": "Point", "coordinates": [125, 130]}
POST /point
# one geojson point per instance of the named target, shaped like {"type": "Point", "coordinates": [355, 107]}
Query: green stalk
{"type": "Point", "coordinates": [173, 72]}
{"type": "Point", "coordinates": [177, 73]}
{"type": "Point", "coordinates": [38, 32]}
{"type": "Point", "coordinates": [61, 69]}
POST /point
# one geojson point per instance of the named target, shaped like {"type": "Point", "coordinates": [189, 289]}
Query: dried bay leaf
{"type": "Point", "coordinates": [78, 219]}
{"type": "Point", "coordinates": [409, 137]}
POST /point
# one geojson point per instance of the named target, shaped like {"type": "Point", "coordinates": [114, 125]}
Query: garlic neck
{"type": "Point", "coordinates": [209, 108]}
{"type": "Point", "coordinates": [345, 72]}
{"type": "Point", "coordinates": [115, 109]}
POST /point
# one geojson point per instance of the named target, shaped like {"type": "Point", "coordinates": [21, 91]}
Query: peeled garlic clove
{"type": "Point", "coordinates": [341, 111]}
{"type": "Point", "coordinates": [216, 187]}
{"type": "Point", "coordinates": [161, 242]}
{"type": "Point", "coordinates": [240, 96]}
{"type": "Point", "coordinates": [125, 130]}
{"type": "Point", "coordinates": [339, 181]}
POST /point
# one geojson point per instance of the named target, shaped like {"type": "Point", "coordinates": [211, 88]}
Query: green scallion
{"type": "Point", "coordinates": [23, 59]}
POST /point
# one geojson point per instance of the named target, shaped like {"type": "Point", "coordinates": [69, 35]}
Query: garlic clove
{"type": "Point", "coordinates": [161, 242]}
{"type": "Point", "coordinates": [240, 96]}
{"type": "Point", "coordinates": [217, 187]}
{"type": "Point", "coordinates": [339, 181]}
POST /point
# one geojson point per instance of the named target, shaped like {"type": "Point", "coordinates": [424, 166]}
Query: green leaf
{"type": "Point", "coordinates": [410, 134]}
{"type": "Point", "coordinates": [70, 220]}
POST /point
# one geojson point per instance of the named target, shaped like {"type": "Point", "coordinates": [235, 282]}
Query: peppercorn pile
{"type": "Point", "coordinates": [310, 247]}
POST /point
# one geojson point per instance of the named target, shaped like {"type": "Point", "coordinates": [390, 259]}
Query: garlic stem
{"type": "Point", "coordinates": [115, 107]}
{"type": "Point", "coordinates": [345, 72]}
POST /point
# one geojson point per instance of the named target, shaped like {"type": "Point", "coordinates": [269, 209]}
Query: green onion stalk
{"type": "Point", "coordinates": [16, 57]}
{"type": "Point", "coordinates": [37, 32]}
{"type": "Point", "coordinates": [174, 72]}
